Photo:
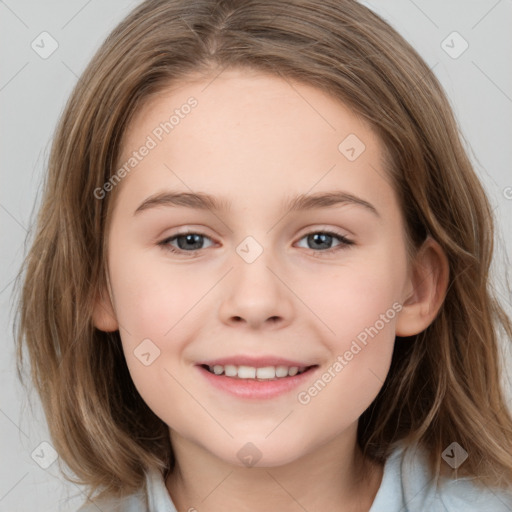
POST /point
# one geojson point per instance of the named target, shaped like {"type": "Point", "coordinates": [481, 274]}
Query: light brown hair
{"type": "Point", "coordinates": [444, 383]}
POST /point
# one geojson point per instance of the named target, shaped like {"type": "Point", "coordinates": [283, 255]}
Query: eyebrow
{"type": "Point", "coordinates": [203, 201]}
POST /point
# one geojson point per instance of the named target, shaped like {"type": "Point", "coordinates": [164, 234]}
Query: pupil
{"type": "Point", "coordinates": [189, 239]}
{"type": "Point", "coordinates": [322, 237]}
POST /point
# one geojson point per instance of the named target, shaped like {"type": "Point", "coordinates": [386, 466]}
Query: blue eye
{"type": "Point", "coordinates": [187, 242]}
{"type": "Point", "coordinates": [324, 238]}
{"type": "Point", "coordinates": [190, 243]}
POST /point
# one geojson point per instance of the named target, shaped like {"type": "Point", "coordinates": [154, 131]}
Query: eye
{"type": "Point", "coordinates": [188, 242]}
{"type": "Point", "coordinates": [322, 239]}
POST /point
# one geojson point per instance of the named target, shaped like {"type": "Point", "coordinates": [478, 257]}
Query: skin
{"type": "Point", "coordinates": [256, 140]}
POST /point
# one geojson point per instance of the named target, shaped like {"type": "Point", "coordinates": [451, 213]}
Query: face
{"type": "Point", "coordinates": [255, 280]}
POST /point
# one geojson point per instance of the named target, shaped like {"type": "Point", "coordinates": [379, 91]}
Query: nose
{"type": "Point", "coordinates": [257, 296]}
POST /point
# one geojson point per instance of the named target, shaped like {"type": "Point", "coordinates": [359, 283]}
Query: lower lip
{"type": "Point", "coordinates": [256, 389]}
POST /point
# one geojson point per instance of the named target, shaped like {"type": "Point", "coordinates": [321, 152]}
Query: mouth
{"type": "Point", "coordinates": [256, 382]}
{"type": "Point", "coordinates": [262, 376]}
{"type": "Point", "coordinates": [262, 373]}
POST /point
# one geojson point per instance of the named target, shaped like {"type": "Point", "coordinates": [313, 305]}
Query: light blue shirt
{"type": "Point", "coordinates": [406, 487]}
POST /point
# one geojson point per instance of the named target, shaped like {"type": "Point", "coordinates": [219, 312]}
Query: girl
{"type": "Point", "coordinates": [329, 340]}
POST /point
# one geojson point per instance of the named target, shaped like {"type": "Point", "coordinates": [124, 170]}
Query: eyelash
{"type": "Point", "coordinates": [345, 243]}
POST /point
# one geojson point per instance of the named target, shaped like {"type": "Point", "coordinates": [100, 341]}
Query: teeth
{"type": "Point", "coordinates": [281, 371]}
{"type": "Point", "coordinates": [246, 372]}
{"type": "Point", "coordinates": [268, 372]}
{"type": "Point", "coordinates": [230, 370]}
{"type": "Point", "coordinates": [293, 371]}
{"type": "Point", "coordinates": [250, 372]}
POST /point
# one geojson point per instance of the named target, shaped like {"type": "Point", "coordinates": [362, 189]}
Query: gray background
{"type": "Point", "coordinates": [33, 92]}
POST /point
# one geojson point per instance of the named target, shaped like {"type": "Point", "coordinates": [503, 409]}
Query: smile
{"type": "Point", "coordinates": [252, 372]}
{"type": "Point", "coordinates": [256, 383]}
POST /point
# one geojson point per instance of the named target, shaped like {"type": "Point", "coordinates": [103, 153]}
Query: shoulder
{"type": "Point", "coordinates": [155, 499]}
{"type": "Point", "coordinates": [407, 486]}
{"type": "Point", "coordinates": [132, 503]}
{"type": "Point", "coordinates": [463, 494]}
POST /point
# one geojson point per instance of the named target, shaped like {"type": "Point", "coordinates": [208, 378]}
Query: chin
{"type": "Point", "coordinates": [256, 452]}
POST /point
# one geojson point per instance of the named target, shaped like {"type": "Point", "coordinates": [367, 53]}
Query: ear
{"type": "Point", "coordinates": [425, 289]}
{"type": "Point", "coordinates": [103, 316]}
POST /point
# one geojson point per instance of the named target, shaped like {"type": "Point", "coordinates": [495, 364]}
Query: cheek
{"type": "Point", "coordinates": [359, 305]}
{"type": "Point", "coordinates": [151, 298]}
{"type": "Point", "coordinates": [351, 298]}
{"type": "Point", "coordinates": [360, 356]}
{"type": "Point", "coordinates": [154, 308]}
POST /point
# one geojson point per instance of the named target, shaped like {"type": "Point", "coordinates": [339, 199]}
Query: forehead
{"type": "Point", "coordinates": [249, 134]}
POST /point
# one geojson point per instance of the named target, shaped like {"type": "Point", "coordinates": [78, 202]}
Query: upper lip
{"type": "Point", "coordinates": [257, 362]}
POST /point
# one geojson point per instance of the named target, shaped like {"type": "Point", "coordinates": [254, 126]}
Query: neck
{"type": "Point", "coordinates": [332, 477]}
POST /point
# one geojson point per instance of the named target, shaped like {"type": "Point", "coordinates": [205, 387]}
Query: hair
{"type": "Point", "coordinates": [443, 384]}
